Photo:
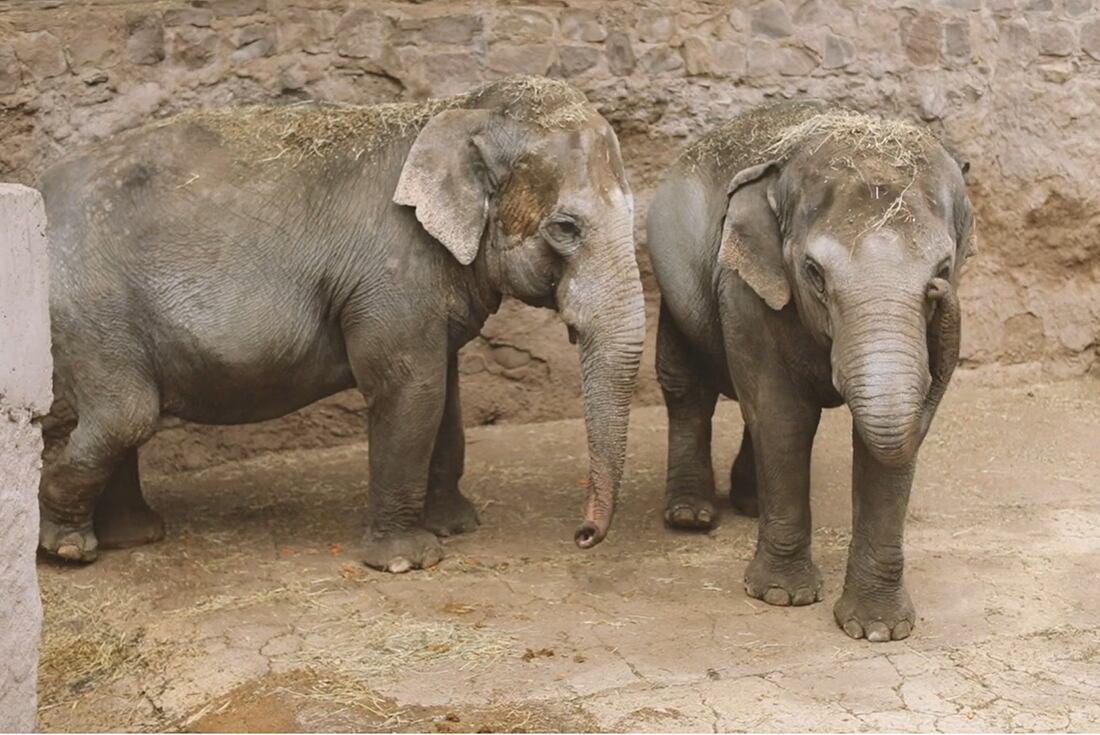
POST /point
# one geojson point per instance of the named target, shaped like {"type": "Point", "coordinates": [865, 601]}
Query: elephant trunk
{"type": "Point", "coordinates": [892, 367]}
{"type": "Point", "coordinates": [600, 299]}
{"type": "Point", "coordinates": [944, 338]}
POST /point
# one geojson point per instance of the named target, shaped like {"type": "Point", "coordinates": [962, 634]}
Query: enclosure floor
{"type": "Point", "coordinates": [254, 613]}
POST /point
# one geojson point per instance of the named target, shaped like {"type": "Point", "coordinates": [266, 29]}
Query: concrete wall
{"type": "Point", "coordinates": [1014, 85]}
{"type": "Point", "coordinates": [25, 367]}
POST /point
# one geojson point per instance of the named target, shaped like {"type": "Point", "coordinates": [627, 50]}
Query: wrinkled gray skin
{"type": "Point", "coordinates": [732, 242]}
{"type": "Point", "coordinates": [186, 283]}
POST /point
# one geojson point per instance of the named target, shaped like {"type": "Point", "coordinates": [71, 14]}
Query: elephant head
{"type": "Point", "coordinates": [526, 185]}
{"type": "Point", "coordinates": [864, 224]}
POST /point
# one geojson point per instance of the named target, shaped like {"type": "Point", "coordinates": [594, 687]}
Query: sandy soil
{"type": "Point", "coordinates": [255, 615]}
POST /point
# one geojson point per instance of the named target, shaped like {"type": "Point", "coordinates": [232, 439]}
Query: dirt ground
{"type": "Point", "coordinates": [254, 614]}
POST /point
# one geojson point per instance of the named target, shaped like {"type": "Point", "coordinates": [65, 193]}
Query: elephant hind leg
{"type": "Point", "coordinates": [690, 400]}
{"type": "Point", "coordinates": [118, 418]}
{"type": "Point", "coordinates": [122, 518]}
{"type": "Point", "coordinates": [743, 479]}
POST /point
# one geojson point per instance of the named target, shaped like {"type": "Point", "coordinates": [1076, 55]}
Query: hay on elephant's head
{"type": "Point", "coordinates": [885, 154]}
{"type": "Point", "coordinates": [550, 104]}
{"type": "Point", "coordinates": [897, 144]}
{"type": "Point", "coordinates": [310, 131]}
{"type": "Point", "coordinates": [779, 130]}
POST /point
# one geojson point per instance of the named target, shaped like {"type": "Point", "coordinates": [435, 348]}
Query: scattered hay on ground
{"type": "Point", "coordinates": [357, 649]}
{"type": "Point", "coordinates": [303, 594]}
{"type": "Point", "coordinates": [369, 645]}
{"type": "Point", "coordinates": [86, 644]}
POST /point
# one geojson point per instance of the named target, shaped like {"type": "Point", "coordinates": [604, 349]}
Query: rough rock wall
{"type": "Point", "coordinates": [25, 367]}
{"type": "Point", "coordinates": [1013, 85]}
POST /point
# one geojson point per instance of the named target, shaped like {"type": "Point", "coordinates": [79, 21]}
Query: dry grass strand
{"type": "Point", "coordinates": [877, 150]}
{"type": "Point", "coordinates": [83, 648]}
{"type": "Point", "coordinates": [899, 144]}
{"type": "Point", "coordinates": [315, 131]}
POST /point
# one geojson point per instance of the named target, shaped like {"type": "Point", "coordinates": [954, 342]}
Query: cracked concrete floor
{"type": "Point", "coordinates": [254, 614]}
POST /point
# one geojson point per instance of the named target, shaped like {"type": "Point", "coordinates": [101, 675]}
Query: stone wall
{"type": "Point", "coordinates": [1013, 85]}
{"type": "Point", "coordinates": [25, 368]}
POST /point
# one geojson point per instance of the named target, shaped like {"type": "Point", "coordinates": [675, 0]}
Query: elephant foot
{"type": "Point", "coordinates": [450, 514]}
{"type": "Point", "coordinates": [123, 527]}
{"type": "Point", "coordinates": [783, 582]}
{"type": "Point", "coordinates": [876, 617]}
{"type": "Point", "coordinates": [68, 542]}
{"type": "Point", "coordinates": [399, 552]}
{"type": "Point", "coordinates": [690, 512]}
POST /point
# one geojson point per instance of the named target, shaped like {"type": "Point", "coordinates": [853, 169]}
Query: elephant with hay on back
{"type": "Point", "coordinates": [809, 256]}
{"type": "Point", "coordinates": [232, 266]}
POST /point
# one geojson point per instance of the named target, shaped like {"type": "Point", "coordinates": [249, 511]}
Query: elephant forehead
{"type": "Point", "coordinates": [881, 247]}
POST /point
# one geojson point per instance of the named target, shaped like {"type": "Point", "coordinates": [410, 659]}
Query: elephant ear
{"type": "Point", "coordinates": [966, 238]}
{"type": "Point", "coordinates": [752, 244]}
{"type": "Point", "coordinates": [443, 179]}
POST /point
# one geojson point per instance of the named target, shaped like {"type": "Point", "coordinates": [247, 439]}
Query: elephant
{"type": "Point", "coordinates": [231, 266]}
{"type": "Point", "coordinates": [808, 256]}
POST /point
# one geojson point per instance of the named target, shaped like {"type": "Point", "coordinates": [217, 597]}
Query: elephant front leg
{"type": "Point", "coordinates": [875, 603]}
{"type": "Point", "coordinates": [446, 511]}
{"type": "Point", "coordinates": [782, 429]}
{"type": "Point", "coordinates": [689, 489]}
{"type": "Point", "coordinates": [404, 419]}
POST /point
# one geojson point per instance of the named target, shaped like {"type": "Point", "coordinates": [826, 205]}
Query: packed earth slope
{"type": "Point", "coordinates": [255, 614]}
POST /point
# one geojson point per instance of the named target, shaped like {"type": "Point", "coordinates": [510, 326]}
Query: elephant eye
{"type": "Point", "coordinates": [944, 271]}
{"type": "Point", "coordinates": [814, 275]}
{"type": "Point", "coordinates": [562, 232]}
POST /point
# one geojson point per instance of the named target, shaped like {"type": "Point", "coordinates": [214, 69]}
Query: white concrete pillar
{"type": "Point", "coordinates": [25, 394]}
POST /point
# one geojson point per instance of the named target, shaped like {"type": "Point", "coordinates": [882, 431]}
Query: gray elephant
{"type": "Point", "coordinates": [232, 266]}
{"type": "Point", "coordinates": [809, 256]}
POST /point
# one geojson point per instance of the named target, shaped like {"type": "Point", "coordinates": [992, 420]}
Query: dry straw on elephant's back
{"type": "Point", "coordinates": [305, 131]}
{"type": "Point", "coordinates": [261, 133]}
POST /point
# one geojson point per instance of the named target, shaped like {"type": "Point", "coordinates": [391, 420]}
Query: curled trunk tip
{"type": "Point", "coordinates": [588, 535]}
{"type": "Point", "coordinates": [598, 510]}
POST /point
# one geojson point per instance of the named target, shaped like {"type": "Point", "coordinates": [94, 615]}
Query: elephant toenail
{"type": "Point", "coordinates": [777, 596]}
{"type": "Point", "coordinates": [400, 565]}
{"type": "Point", "coordinates": [877, 632]}
{"type": "Point", "coordinates": [804, 597]}
{"type": "Point", "coordinates": [853, 629]}
{"type": "Point", "coordinates": [902, 630]}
